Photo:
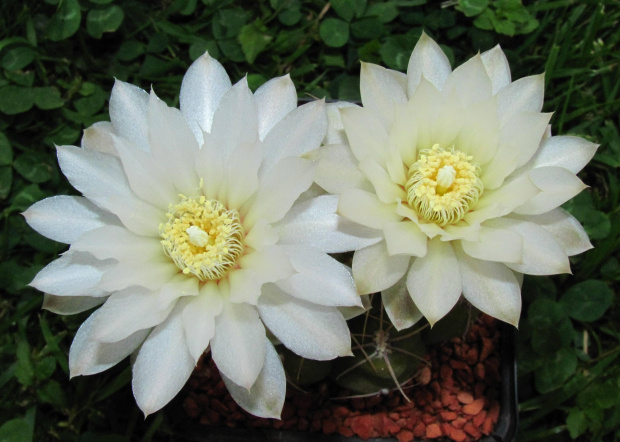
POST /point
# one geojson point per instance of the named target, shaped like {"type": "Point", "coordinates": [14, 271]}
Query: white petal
{"type": "Point", "coordinates": [337, 169]}
{"type": "Point", "coordinates": [542, 255]}
{"type": "Point", "coordinates": [299, 132]}
{"type": "Point", "coordinates": [428, 60]}
{"type": "Point", "coordinates": [128, 107]}
{"type": "Point", "coordinates": [366, 209]}
{"type": "Point", "coordinates": [150, 275]}
{"type": "Point", "coordinates": [242, 174]}
{"type": "Point", "coordinates": [320, 278]}
{"type": "Point", "coordinates": [87, 356]}
{"type": "Point", "coordinates": [279, 189]}
{"type": "Point", "coordinates": [491, 287]}
{"type": "Point", "coordinates": [526, 95]}
{"type": "Point", "coordinates": [434, 282]}
{"type": "Point", "coordinates": [210, 166]}
{"type": "Point", "coordinates": [203, 86]}
{"type": "Point", "coordinates": [497, 67]}
{"type": "Point", "coordinates": [238, 344]}
{"type": "Point", "coordinates": [367, 136]}
{"type": "Point", "coordinates": [470, 82]}
{"type": "Point", "coordinates": [495, 245]}
{"type": "Point", "coordinates": [381, 92]}
{"type": "Point", "coordinates": [137, 215]}
{"type": "Point", "coordinates": [99, 137]}
{"type": "Point", "coordinates": [558, 185]}
{"type": "Point", "coordinates": [314, 222]}
{"type": "Point", "coordinates": [335, 129]}
{"type": "Point", "coordinates": [310, 330]}
{"type": "Point", "coordinates": [374, 270]}
{"type": "Point", "coordinates": [162, 366]}
{"type": "Point", "coordinates": [73, 274]}
{"type": "Point", "coordinates": [405, 238]}
{"type": "Point", "coordinates": [261, 235]}
{"type": "Point", "coordinates": [65, 218]}
{"type": "Point", "coordinates": [173, 145]}
{"type": "Point", "coordinates": [564, 228]}
{"type": "Point", "coordinates": [399, 307]}
{"type": "Point", "coordinates": [274, 100]}
{"type": "Point", "coordinates": [120, 244]}
{"type": "Point", "coordinates": [235, 121]}
{"type": "Point", "coordinates": [270, 264]}
{"type": "Point", "coordinates": [386, 189]}
{"type": "Point", "coordinates": [571, 153]}
{"type": "Point", "coordinates": [70, 305]}
{"type": "Point", "coordinates": [266, 397]}
{"type": "Point", "coordinates": [422, 110]}
{"type": "Point", "coordinates": [245, 286]}
{"type": "Point", "coordinates": [199, 318]}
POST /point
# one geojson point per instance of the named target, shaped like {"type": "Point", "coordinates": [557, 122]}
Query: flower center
{"type": "Point", "coordinates": [202, 237]}
{"type": "Point", "coordinates": [443, 184]}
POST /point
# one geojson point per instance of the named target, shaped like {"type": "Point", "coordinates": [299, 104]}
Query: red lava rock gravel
{"type": "Point", "coordinates": [455, 400]}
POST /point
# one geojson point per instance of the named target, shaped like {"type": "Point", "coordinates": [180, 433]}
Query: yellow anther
{"type": "Point", "coordinates": [202, 237]}
{"type": "Point", "coordinates": [443, 184]}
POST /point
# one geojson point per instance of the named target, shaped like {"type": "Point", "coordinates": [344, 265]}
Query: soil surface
{"type": "Point", "coordinates": [455, 398]}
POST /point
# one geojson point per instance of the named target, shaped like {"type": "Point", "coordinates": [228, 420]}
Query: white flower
{"type": "Point", "coordinates": [190, 235]}
{"type": "Point", "coordinates": [454, 172]}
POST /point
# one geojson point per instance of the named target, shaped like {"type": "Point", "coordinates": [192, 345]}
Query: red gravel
{"type": "Point", "coordinates": [456, 400]}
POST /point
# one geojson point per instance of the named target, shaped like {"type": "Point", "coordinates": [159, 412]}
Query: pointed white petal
{"type": "Point", "coordinates": [310, 330]}
{"type": "Point", "coordinates": [405, 238]}
{"type": "Point", "coordinates": [266, 397]}
{"type": "Point", "coordinates": [495, 245]}
{"type": "Point", "coordinates": [245, 286]}
{"type": "Point", "coordinates": [210, 166]}
{"type": "Point", "coordinates": [87, 356]}
{"type": "Point", "coordinates": [299, 132]}
{"type": "Point", "coordinates": [367, 136]}
{"type": "Point", "coordinates": [542, 255]}
{"type": "Point", "coordinates": [136, 214]}
{"type": "Point", "coordinates": [150, 275]}
{"type": "Point", "coordinates": [337, 169]}
{"type": "Point", "coordinates": [366, 209]}
{"type": "Point", "coordinates": [399, 307]}
{"type": "Point", "coordinates": [261, 235]}
{"type": "Point", "coordinates": [314, 222]}
{"type": "Point", "coordinates": [564, 228]}
{"type": "Point", "coordinates": [571, 153]}
{"type": "Point", "coordinates": [162, 366]}
{"type": "Point", "coordinates": [434, 282]}
{"type": "Point", "coordinates": [497, 68]}
{"type": "Point", "coordinates": [427, 60]}
{"type": "Point", "coordinates": [203, 86]}
{"type": "Point", "coordinates": [120, 244]}
{"type": "Point", "coordinates": [385, 188]}
{"type": "Point", "coordinates": [525, 95]}
{"type": "Point", "coordinates": [274, 100]}
{"type": "Point", "coordinates": [320, 278]}
{"type": "Point", "coordinates": [238, 344]}
{"type": "Point", "coordinates": [99, 137]}
{"type": "Point", "coordinates": [470, 82]}
{"type": "Point", "coordinates": [279, 189]}
{"type": "Point", "coordinates": [199, 318]}
{"type": "Point", "coordinates": [242, 174]}
{"type": "Point", "coordinates": [335, 129]}
{"type": "Point", "coordinates": [558, 185]}
{"type": "Point", "coordinates": [422, 110]}
{"type": "Point", "coordinates": [381, 92]}
{"type": "Point", "coordinates": [70, 305]}
{"type": "Point", "coordinates": [73, 274]}
{"type": "Point", "coordinates": [270, 264]}
{"type": "Point", "coordinates": [491, 287]}
{"type": "Point", "coordinates": [128, 105]}
{"type": "Point", "coordinates": [374, 270]}
{"type": "Point", "coordinates": [235, 121]}
{"type": "Point", "coordinates": [65, 218]}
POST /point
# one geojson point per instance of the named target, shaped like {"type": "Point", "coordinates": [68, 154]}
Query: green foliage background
{"type": "Point", "coordinates": [58, 59]}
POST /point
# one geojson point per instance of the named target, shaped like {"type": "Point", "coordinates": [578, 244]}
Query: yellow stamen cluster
{"type": "Point", "coordinates": [202, 237]}
{"type": "Point", "coordinates": [443, 184]}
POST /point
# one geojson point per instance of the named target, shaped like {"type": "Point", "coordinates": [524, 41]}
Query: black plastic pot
{"type": "Point", "coordinates": [505, 429]}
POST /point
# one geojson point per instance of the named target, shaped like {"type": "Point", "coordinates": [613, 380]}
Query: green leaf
{"type": "Point", "coordinates": [227, 23]}
{"type": "Point", "coordinates": [367, 28]}
{"type": "Point", "coordinates": [255, 81]}
{"type": "Point", "coordinates": [386, 12]}
{"type": "Point", "coordinates": [599, 395]}
{"type": "Point", "coordinates": [26, 197]}
{"type": "Point", "coordinates": [100, 21]}
{"type": "Point", "coordinates": [52, 342]}
{"type": "Point", "coordinates": [47, 97]}
{"type": "Point", "coordinates": [52, 393]}
{"type": "Point", "coordinates": [45, 368]}
{"type": "Point", "coordinates": [66, 20]}
{"type": "Point", "coordinates": [24, 370]}
{"type": "Point", "coordinates": [576, 422]}
{"type": "Point", "coordinates": [396, 51]}
{"type": "Point", "coordinates": [6, 151]}
{"type": "Point", "coordinates": [334, 32]}
{"type": "Point", "coordinates": [6, 179]}
{"type": "Point", "coordinates": [290, 16]}
{"type": "Point", "coordinates": [588, 300]}
{"type": "Point", "coordinates": [551, 328]}
{"type": "Point", "coordinates": [20, 78]}
{"type": "Point", "coordinates": [348, 9]}
{"type": "Point", "coordinates": [198, 48]}
{"type": "Point", "coordinates": [472, 7]}
{"type": "Point", "coordinates": [92, 103]}
{"type": "Point", "coordinates": [555, 370]}
{"type": "Point", "coordinates": [17, 58]}
{"type": "Point", "coordinates": [130, 50]}
{"type": "Point", "coordinates": [253, 40]}
{"type": "Point", "coordinates": [16, 99]}
{"type": "Point", "coordinates": [16, 430]}
{"type": "Point", "coordinates": [33, 168]}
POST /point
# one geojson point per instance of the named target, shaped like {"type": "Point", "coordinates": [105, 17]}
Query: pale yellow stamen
{"type": "Point", "coordinates": [443, 185]}
{"type": "Point", "coordinates": [202, 237]}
